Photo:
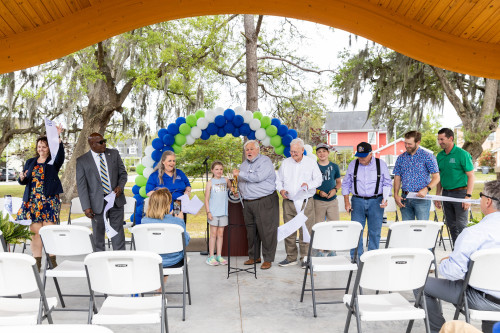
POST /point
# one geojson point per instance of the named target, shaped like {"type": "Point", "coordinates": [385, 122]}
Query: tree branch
{"type": "Point", "coordinates": [295, 65]}
{"type": "Point", "coordinates": [259, 24]}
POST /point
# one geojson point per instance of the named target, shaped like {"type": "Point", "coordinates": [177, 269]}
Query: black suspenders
{"type": "Point", "coordinates": [355, 176]}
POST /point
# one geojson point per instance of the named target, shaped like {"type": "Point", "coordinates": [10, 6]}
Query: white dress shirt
{"type": "Point", "coordinates": [97, 161]}
{"type": "Point", "coordinates": [292, 175]}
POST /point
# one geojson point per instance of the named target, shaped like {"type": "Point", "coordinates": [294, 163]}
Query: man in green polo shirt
{"type": "Point", "coordinates": [457, 181]}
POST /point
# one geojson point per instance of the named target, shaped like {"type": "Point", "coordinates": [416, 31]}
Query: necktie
{"type": "Point", "coordinates": [104, 176]}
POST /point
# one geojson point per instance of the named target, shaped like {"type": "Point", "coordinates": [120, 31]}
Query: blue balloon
{"type": "Point", "coordinates": [173, 129]}
{"type": "Point", "coordinates": [236, 133]}
{"type": "Point", "coordinates": [238, 121]}
{"type": "Point", "coordinates": [251, 136]}
{"type": "Point", "coordinates": [135, 189]}
{"type": "Point", "coordinates": [229, 128]}
{"type": "Point", "coordinates": [212, 129]}
{"type": "Point", "coordinates": [220, 121]}
{"type": "Point", "coordinates": [157, 143]}
{"type": "Point", "coordinates": [156, 163]}
{"type": "Point", "coordinates": [205, 135]}
{"type": "Point", "coordinates": [179, 121]}
{"type": "Point", "coordinates": [138, 199]}
{"type": "Point", "coordinates": [305, 152]}
{"type": "Point", "coordinates": [293, 133]}
{"type": "Point", "coordinates": [221, 133]}
{"type": "Point", "coordinates": [286, 140]}
{"type": "Point", "coordinates": [282, 130]}
{"type": "Point", "coordinates": [287, 151]}
{"type": "Point", "coordinates": [229, 114]}
{"type": "Point", "coordinates": [245, 129]}
{"type": "Point", "coordinates": [138, 219]}
{"type": "Point", "coordinates": [131, 218]}
{"type": "Point", "coordinates": [168, 139]}
{"type": "Point", "coordinates": [156, 155]}
{"type": "Point", "coordinates": [162, 132]}
{"type": "Point", "coordinates": [169, 147]}
{"type": "Point", "coordinates": [276, 122]}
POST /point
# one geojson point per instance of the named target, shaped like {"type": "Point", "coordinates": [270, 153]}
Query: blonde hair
{"type": "Point", "coordinates": [161, 167]}
{"type": "Point", "coordinates": [159, 204]}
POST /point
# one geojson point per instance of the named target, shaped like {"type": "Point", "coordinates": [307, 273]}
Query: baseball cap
{"type": "Point", "coordinates": [363, 149]}
{"type": "Point", "coordinates": [323, 145]}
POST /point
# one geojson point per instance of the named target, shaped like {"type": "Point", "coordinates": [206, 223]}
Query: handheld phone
{"type": "Point", "coordinates": [177, 207]}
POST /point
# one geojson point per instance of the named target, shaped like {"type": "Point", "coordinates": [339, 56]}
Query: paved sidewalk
{"type": "Point", "coordinates": [242, 303]}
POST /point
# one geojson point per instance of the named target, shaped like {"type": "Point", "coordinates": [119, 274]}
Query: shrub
{"type": "Point", "coordinates": [487, 159]}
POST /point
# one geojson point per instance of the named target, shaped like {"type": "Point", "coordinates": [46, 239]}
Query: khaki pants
{"type": "Point", "coordinates": [289, 213]}
{"type": "Point", "coordinates": [328, 210]}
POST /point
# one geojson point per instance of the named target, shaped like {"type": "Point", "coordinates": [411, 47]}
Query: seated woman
{"type": "Point", "coordinates": [159, 212]}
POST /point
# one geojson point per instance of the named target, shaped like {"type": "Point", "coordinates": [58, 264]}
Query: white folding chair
{"type": "Point", "coordinates": [415, 234]}
{"type": "Point", "coordinates": [165, 238]}
{"type": "Point", "coordinates": [391, 270]}
{"type": "Point", "coordinates": [483, 273]}
{"type": "Point", "coordinates": [61, 328]}
{"type": "Point", "coordinates": [125, 273]}
{"type": "Point", "coordinates": [66, 240]}
{"type": "Point", "coordinates": [19, 275]}
{"type": "Point", "coordinates": [3, 244]}
{"type": "Point", "coordinates": [76, 208]}
{"type": "Point", "coordinates": [333, 236]}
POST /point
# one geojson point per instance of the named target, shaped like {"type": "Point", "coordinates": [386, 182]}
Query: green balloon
{"type": "Point", "coordinates": [191, 120]}
{"type": "Point", "coordinates": [177, 149]}
{"type": "Point", "coordinates": [276, 141]}
{"type": "Point", "coordinates": [185, 129]}
{"type": "Point", "coordinates": [140, 168]}
{"type": "Point", "coordinates": [279, 150]}
{"type": "Point", "coordinates": [142, 192]}
{"type": "Point", "coordinates": [200, 114]}
{"type": "Point", "coordinates": [180, 140]}
{"type": "Point", "coordinates": [141, 180]}
{"type": "Point", "coordinates": [271, 130]}
{"type": "Point", "coordinates": [265, 122]}
{"type": "Point", "coordinates": [257, 115]}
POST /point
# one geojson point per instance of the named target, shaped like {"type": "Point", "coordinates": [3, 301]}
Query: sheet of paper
{"type": "Point", "coordinates": [192, 206]}
{"type": "Point", "coordinates": [292, 226]}
{"type": "Point", "coordinates": [52, 138]}
{"type": "Point", "coordinates": [300, 195]}
{"type": "Point", "coordinates": [110, 199]}
{"type": "Point", "coordinates": [413, 195]}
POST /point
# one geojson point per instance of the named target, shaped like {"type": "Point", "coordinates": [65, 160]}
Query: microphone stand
{"type": "Point", "coordinates": [207, 237]}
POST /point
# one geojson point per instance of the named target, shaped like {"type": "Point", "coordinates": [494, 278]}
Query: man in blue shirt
{"type": "Point", "coordinates": [484, 235]}
{"type": "Point", "coordinates": [411, 174]}
{"type": "Point", "coordinates": [370, 193]}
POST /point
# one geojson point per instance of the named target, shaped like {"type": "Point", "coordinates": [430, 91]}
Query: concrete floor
{"type": "Point", "coordinates": [242, 303]}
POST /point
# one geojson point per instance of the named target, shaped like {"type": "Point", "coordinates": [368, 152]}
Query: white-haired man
{"type": "Point", "coordinates": [257, 186]}
{"type": "Point", "coordinates": [298, 174]}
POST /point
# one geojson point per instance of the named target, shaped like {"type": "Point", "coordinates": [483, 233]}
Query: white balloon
{"type": "Point", "coordinates": [248, 116]}
{"type": "Point", "coordinates": [219, 111]}
{"type": "Point", "coordinates": [314, 157]}
{"type": "Point", "coordinates": [255, 124]}
{"type": "Point", "coordinates": [266, 141]}
{"type": "Point", "coordinates": [147, 172]}
{"type": "Point", "coordinates": [190, 139]}
{"type": "Point", "coordinates": [147, 161]}
{"type": "Point", "coordinates": [260, 134]}
{"type": "Point", "coordinates": [309, 149]}
{"type": "Point", "coordinates": [149, 150]}
{"type": "Point", "coordinates": [201, 123]}
{"type": "Point", "coordinates": [209, 116]}
{"type": "Point", "coordinates": [239, 110]}
{"type": "Point", "coordinates": [195, 132]}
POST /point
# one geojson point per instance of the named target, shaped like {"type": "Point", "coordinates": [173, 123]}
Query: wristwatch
{"type": "Point", "coordinates": [429, 188]}
{"type": "Point", "coordinates": [468, 195]}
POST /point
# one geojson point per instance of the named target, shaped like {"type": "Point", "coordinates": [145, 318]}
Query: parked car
{"type": "Point", "coordinates": [12, 174]}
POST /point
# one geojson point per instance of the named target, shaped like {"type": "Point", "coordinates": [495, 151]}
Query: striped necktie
{"type": "Point", "coordinates": [104, 176]}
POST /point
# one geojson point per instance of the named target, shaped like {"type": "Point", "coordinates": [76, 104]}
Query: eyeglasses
{"type": "Point", "coordinates": [481, 194]}
{"type": "Point", "coordinates": [102, 141]}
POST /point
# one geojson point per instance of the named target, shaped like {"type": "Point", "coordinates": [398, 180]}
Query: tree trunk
{"type": "Point", "coordinates": [251, 38]}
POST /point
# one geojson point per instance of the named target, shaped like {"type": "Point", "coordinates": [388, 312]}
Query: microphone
{"type": "Point", "coordinates": [206, 159]}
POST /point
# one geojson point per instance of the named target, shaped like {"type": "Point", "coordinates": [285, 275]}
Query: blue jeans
{"type": "Point", "coordinates": [415, 209]}
{"type": "Point", "coordinates": [368, 209]}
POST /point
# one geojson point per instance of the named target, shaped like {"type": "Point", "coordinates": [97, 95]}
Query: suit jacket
{"type": "Point", "coordinates": [51, 182]}
{"type": "Point", "coordinates": [88, 180]}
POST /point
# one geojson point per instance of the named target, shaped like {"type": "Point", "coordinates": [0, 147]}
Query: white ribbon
{"type": "Point", "coordinates": [299, 220]}
{"type": "Point", "coordinates": [52, 138]}
{"type": "Point", "coordinates": [413, 195]}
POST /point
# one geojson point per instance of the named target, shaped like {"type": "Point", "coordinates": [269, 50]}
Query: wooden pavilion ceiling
{"type": "Point", "coordinates": [459, 35]}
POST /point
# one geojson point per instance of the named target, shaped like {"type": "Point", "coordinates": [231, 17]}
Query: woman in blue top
{"type": "Point", "coordinates": [166, 175]}
{"type": "Point", "coordinates": [159, 212]}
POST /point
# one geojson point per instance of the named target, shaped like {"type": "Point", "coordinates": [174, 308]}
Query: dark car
{"type": "Point", "coordinates": [12, 174]}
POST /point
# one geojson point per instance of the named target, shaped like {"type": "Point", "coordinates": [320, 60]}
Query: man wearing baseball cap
{"type": "Point", "coordinates": [368, 180]}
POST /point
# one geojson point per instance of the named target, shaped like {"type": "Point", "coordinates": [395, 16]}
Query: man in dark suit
{"type": "Point", "coordinates": [98, 172]}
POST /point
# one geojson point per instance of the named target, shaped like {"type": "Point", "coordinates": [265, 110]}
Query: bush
{"type": "Point", "coordinates": [487, 159]}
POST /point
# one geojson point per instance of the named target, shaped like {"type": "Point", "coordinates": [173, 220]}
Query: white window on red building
{"type": "Point", "coordinates": [333, 139]}
{"type": "Point", "coordinates": [372, 138]}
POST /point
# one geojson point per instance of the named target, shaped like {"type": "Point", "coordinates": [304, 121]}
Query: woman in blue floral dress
{"type": "Point", "coordinates": [41, 203]}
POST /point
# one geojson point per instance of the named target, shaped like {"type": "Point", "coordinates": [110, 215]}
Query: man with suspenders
{"type": "Point", "coordinates": [368, 179]}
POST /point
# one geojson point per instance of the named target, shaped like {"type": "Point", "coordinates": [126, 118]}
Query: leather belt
{"type": "Point", "coordinates": [405, 192]}
{"type": "Point", "coordinates": [259, 198]}
{"type": "Point", "coordinates": [366, 198]}
{"type": "Point", "coordinates": [457, 189]}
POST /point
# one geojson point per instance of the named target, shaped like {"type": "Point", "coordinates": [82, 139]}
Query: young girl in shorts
{"type": "Point", "coordinates": [216, 206]}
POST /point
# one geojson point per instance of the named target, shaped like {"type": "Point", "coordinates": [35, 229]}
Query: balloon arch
{"type": "Point", "coordinates": [203, 125]}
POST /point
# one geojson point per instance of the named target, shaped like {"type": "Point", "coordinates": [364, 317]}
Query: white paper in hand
{"type": "Point", "coordinates": [110, 199]}
{"type": "Point", "coordinates": [192, 206]}
{"type": "Point", "coordinates": [52, 138]}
